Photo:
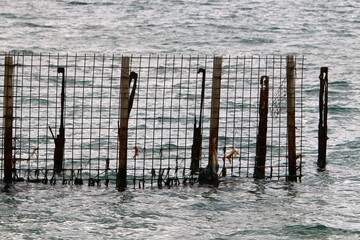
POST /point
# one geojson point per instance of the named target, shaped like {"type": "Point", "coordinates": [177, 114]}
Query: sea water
{"type": "Point", "coordinates": [325, 205]}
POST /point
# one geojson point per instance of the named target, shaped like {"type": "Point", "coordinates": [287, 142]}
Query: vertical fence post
{"type": "Point", "coordinates": [290, 75]}
{"type": "Point", "coordinates": [8, 119]}
{"type": "Point", "coordinates": [214, 118]}
{"type": "Point", "coordinates": [124, 119]}
{"type": "Point", "coordinates": [323, 112]}
{"type": "Point", "coordinates": [60, 138]}
{"type": "Point", "coordinates": [259, 171]}
{"type": "Point", "coordinates": [197, 136]}
{"type": "Point", "coordinates": [210, 173]}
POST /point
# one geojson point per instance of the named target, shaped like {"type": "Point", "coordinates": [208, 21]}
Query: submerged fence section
{"type": "Point", "coordinates": [150, 119]}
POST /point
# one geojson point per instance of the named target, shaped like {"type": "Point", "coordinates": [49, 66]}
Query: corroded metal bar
{"type": "Point", "coordinates": [323, 113]}
{"type": "Point", "coordinates": [8, 120]}
{"type": "Point", "coordinates": [60, 138]}
{"type": "Point", "coordinates": [197, 137]}
{"type": "Point", "coordinates": [260, 159]}
{"type": "Point", "coordinates": [291, 128]}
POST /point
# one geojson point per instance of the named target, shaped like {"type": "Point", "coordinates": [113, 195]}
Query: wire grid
{"type": "Point", "coordinates": [161, 123]}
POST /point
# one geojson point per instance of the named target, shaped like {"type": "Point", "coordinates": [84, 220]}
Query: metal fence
{"type": "Point", "coordinates": [78, 98]}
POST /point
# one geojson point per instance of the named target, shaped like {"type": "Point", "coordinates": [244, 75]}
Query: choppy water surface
{"type": "Point", "coordinates": [323, 206]}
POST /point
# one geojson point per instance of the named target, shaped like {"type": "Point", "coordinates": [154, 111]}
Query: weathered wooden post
{"type": "Point", "coordinates": [259, 171]}
{"type": "Point", "coordinates": [210, 173]}
{"type": "Point", "coordinates": [291, 128]}
{"type": "Point", "coordinates": [323, 113]}
{"type": "Point", "coordinates": [8, 120]}
{"type": "Point", "coordinates": [124, 120]}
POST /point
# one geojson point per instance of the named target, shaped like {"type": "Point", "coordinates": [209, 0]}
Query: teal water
{"type": "Point", "coordinates": [323, 206]}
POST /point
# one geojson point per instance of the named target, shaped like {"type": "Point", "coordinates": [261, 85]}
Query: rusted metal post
{"type": "Point", "coordinates": [134, 76]}
{"type": "Point", "coordinates": [197, 136]}
{"type": "Point", "coordinates": [210, 173]}
{"type": "Point", "coordinates": [323, 113]}
{"type": "Point", "coordinates": [8, 120]}
{"type": "Point", "coordinates": [60, 138]}
{"type": "Point", "coordinates": [260, 159]}
{"type": "Point", "coordinates": [124, 120]}
{"type": "Point", "coordinates": [291, 128]}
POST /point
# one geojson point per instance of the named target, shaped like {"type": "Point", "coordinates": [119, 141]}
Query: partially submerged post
{"type": "Point", "coordinates": [8, 120]}
{"type": "Point", "coordinates": [259, 171]}
{"type": "Point", "coordinates": [210, 173]}
{"type": "Point", "coordinates": [323, 113]}
{"type": "Point", "coordinates": [197, 136]}
{"type": "Point", "coordinates": [60, 138]}
{"type": "Point", "coordinates": [124, 119]}
{"type": "Point", "coordinates": [291, 128]}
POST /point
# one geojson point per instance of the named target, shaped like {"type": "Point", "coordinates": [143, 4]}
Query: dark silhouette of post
{"type": "Point", "coordinates": [60, 138]}
{"type": "Point", "coordinates": [133, 76]}
{"type": "Point", "coordinates": [8, 120]}
{"type": "Point", "coordinates": [260, 159]}
{"type": "Point", "coordinates": [323, 113]}
{"type": "Point", "coordinates": [291, 128]}
{"type": "Point", "coordinates": [121, 183]}
{"type": "Point", "coordinates": [197, 136]}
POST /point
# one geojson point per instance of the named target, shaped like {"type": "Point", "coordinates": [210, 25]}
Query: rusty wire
{"type": "Point", "coordinates": [161, 123]}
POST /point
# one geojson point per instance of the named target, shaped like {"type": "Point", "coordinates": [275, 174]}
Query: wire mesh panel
{"type": "Point", "coordinates": [171, 99]}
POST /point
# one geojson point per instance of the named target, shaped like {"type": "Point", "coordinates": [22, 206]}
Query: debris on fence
{"type": "Point", "coordinates": [232, 153]}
